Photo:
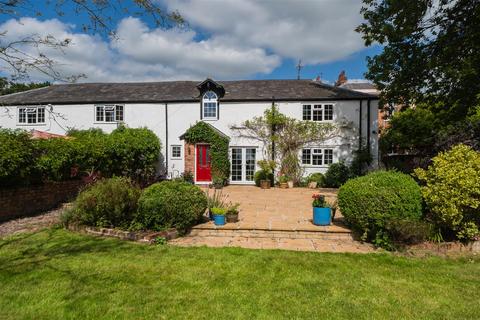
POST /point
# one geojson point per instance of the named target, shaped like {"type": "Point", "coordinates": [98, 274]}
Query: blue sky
{"type": "Point", "coordinates": [226, 39]}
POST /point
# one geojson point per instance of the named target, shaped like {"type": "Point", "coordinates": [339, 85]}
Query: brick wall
{"type": "Point", "coordinates": [25, 201]}
{"type": "Point", "coordinates": [189, 158]}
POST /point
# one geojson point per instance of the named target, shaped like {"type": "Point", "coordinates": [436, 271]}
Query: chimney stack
{"type": "Point", "coordinates": [342, 78]}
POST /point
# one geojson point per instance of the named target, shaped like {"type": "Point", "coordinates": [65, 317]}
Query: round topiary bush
{"type": "Point", "coordinates": [170, 204]}
{"type": "Point", "coordinates": [370, 203]}
{"type": "Point", "coordinates": [107, 203]}
{"type": "Point", "coordinates": [317, 177]}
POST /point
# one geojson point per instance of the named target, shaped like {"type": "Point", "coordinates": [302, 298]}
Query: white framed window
{"type": "Point", "coordinates": [318, 112]}
{"type": "Point", "coordinates": [109, 113]}
{"type": "Point", "coordinates": [176, 152]}
{"type": "Point", "coordinates": [210, 106]}
{"type": "Point", "coordinates": [31, 115]}
{"type": "Point", "coordinates": [317, 156]}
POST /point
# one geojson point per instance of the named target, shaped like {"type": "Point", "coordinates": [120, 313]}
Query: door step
{"type": "Point", "coordinates": [272, 234]}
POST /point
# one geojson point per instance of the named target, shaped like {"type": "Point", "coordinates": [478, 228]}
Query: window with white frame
{"type": "Point", "coordinates": [317, 156]}
{"type": "Point", "coordinates": [210, 105]}
{"type": "Point", "coordinates": [109, 113]}
{"type": "Point", "coordinates": [31, 115]}
{"type": "Point", "coordinates": [318, 112]}
{"type": "Point", "coordinates": [176, 152]}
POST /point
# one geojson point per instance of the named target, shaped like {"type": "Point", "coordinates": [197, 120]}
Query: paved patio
{"type": "Point", "coordinates": [277, 209]}
{"type": "Point", "coordinates": [275, 219]}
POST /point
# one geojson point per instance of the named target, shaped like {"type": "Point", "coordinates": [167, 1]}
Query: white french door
{"type": "Point", "coordinates": [242, 164]}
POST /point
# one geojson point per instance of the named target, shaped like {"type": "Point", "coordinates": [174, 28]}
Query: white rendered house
{"type": "Point", "coordinates": [170, 108]}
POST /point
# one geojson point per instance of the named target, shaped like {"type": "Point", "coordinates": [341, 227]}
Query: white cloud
{"type": "Point", "coordinates": [316, 31]}
{"type": "Point", "coordinates": [141, 54]}
{"type": "Point", "coordinates": [237, 39]}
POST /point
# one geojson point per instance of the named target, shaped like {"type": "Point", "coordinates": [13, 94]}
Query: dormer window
{"type": "Point", "coordinates": [210, 106]}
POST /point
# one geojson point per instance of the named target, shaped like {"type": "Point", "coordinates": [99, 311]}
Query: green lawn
{"type": "Point", "coordinates": [56, 274]}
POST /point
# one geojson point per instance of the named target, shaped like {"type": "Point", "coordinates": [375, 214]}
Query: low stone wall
{"type": "Point", "coordinates": [27, 201]}
{"type": "Point", "coordinates": [445, 248]}
{"type": "Point", "coordinates": [146, 237]}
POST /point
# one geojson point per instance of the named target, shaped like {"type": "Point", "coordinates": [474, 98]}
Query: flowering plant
{"type": "Point", "coordinates": [319, 201]}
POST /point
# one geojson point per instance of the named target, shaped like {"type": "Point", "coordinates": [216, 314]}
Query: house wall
{"type": "Point", "coordinates": [182, 115]}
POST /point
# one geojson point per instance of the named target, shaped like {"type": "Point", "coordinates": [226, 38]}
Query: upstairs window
{"type": "Point", "coordinates": [210, 106]}
{"type": "Point", "coordinates": [31, 115]}
{"type": "Point", "coordinates": [317, 112]}
{"type": "Point", "coordinates": [317, 157]}
{"type": "Point", "coordinates": [109, 113]}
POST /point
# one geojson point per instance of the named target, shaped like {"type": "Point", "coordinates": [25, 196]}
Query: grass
{"type": "Point", "coordinates": [56, 274]}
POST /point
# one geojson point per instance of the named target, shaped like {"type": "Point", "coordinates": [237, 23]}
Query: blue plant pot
{"type": "Point", "coordinates": [322, 216]}
{"type": "Point", "coordinates": [219, 219]}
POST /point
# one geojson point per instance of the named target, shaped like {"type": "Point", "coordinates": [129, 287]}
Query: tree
{"type": "Point", "coordinates": [430, 53]}
{"type": "Point", "coordinates": [100, 19]}
{"type": "Point", "coordinates": [8, 87]}
{"type": "Point", "coordinates": [283, 137]}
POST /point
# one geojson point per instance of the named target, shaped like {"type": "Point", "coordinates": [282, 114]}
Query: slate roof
{"type": "Point", "coordinates": [359, 86]}
{"type": "Point", "coordinates": [181, 91]}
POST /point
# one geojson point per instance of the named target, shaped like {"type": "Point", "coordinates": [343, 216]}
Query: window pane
{"type": "Point", "coordinates": [109, 115]}
{"type": "Point", "coordinates": [250, 164]}
{"type": "Point", "coordinates": [306, 156]}
{"type": "Point", "coordinates": [41, 114]}
{"type": "Point", "coordinates": [119, 113]}
{"type": "Point", "coordinates": [237, 164]}
{"type": "Point", "coordinates": [99, 113]}
{"type": "Point", "coordinates": [32, 116]}
{"type": "Point", "coordinates": [176, 152]}
{"type": "Point", "coordinates": [307, 112]}
{"type": "Point", "coordinates": [209, 95]}
{"type": "Point", "coordinates": [328, 112]}
{"type": "Point", "coordinates": [317, 157]}
{"type": "Point", "coordinates": [209, 109]}
{"type": "Point", "coordinates": [328, 156]}
{"type": "Point", "coordinates": [317, 113]}
{"type": "Point", "coordinates": [22, 116]}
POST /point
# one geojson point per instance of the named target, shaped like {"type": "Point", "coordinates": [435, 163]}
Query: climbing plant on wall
{"type": "Point", "coordinates": [202, 132]}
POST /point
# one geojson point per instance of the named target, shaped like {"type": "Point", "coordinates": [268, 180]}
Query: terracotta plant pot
{"type": "Point", "coordinates": [265, 184]}
{"type": "Point", "coordinates": [283, 185]}
{"type": "Point", "coordinates": [232, 217]}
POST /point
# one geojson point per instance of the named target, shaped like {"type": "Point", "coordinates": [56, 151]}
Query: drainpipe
{"type": "Point", "coordinates": [273, 128]}
{"type": "Point", "coordinates": [368, 125]}
{"type": "Point", "coordinates": [360, 126]}
{"type": "Point", "coordinates": [166, 139]}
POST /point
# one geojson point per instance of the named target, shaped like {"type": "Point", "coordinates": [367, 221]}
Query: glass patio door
{"type": "Point", "coordinates": [243, 164]}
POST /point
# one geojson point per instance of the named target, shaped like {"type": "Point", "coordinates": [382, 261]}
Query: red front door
{"type": "Point", "coordinates": [204, 172]}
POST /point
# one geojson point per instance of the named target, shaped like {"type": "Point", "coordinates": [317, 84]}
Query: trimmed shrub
{"type": "Point", "coordinates": [452, 191]}
{"type": "Point", "coordinates": [57, 158]}
{"type": "Point", "coordinates": [135, 153]}
{"type": "Point", "coordinates": [107, 203]}
{"type": "Point", "coordinates": [170, 204]}
{"type": "Point", "coordinates": [262, 175]}
{"type": "Point", "coordinates": [317, 177]}
{"type": "Point", "coordinates": [371, 202]}
{"type": "Point", "coordinates": [17, 158]}
{"type": "Point", "coordinates": [336, 175]}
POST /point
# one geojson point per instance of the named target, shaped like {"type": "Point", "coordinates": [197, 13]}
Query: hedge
{"type": "Point", "coordinates": [125, 152]}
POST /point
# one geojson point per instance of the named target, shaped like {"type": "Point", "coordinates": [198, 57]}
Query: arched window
{"type": "Point", "coordinates": [210, 105]}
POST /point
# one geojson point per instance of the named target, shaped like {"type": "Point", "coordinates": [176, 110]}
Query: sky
{"type": "Point", "coordinates": [228, 39]}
